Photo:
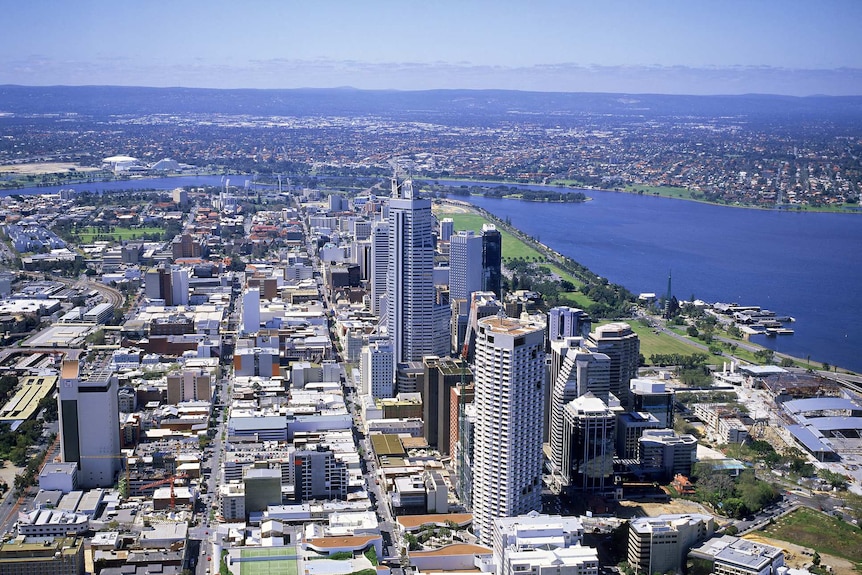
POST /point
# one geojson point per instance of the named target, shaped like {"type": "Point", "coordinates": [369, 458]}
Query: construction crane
{"type": "Point", "coordinates": [169, 480]}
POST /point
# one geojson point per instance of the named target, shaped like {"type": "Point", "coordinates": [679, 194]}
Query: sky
{"type": "Point", "coordinates": [793, 47]}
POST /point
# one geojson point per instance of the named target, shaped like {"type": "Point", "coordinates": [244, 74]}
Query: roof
{"type": "Point", "coordinates": [507, 325]}
{"type": "Point", "coordinates": [809, 439]}
{"type": "Point", "coordinates": [387, 444]}
{"type": "Point", "coordinates": [834, 423]}
{"type": "Point", "coordinates": [454, 549]}
{"type": "Point", "coordinates": [761, 370]}
{"type": "Point", "coordinates": [415, 521]}
{"type": "Point", "coordinates": [355, 541]}
{"type": "Point", "coordinates": [821, 404]}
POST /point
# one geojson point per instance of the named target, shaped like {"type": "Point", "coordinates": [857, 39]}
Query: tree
{"type": "Point", "coordinates": [412, 542]}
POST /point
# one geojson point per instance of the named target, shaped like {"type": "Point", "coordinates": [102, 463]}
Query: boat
{"type": "Point", "coordinates": [773, 331]}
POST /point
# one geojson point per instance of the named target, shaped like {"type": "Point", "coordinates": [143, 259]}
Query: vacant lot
{"type": "Point", "coordinates": [820, 532]}
{"type": "Point", "coordinates": [46, 168]}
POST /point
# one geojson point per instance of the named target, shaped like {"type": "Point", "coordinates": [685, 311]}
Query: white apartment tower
{"type": "Point", "coordinates": [417, 325]}
{"type": "Point", "coordinates": [89, 414]}
{"type": "Point", "coordinates": [379, 265]}
{"type": "Point", "coordinates": [507, 442]}
{"type": "Point", "coordinates": [465, 264]}
{"type": "Point", "coordinates": [376, 367]}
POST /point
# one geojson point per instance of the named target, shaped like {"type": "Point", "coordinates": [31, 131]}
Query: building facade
{"type": "Point", "coordinates": [589, 433]}
{"type": "Point", "coordinates": [492, 259]}
{"type": "Point", "coordinates": [622, 346]}
{"type": "Point", "coordinates": [417, 325]}
{"type": "Point", "coordinates": [575, 371]}
{"type": "Point", "coordinates": [89, 416]}
{"type": "Point", "coordinates": [507, 450]}
{"type": "Point", "coordinates": [659, 544]}
{"type": "Point", "coordinates": [465, 264]}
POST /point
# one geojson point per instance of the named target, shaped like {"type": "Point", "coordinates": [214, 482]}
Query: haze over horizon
{"type": "Point", "coordinates": [787, 47]}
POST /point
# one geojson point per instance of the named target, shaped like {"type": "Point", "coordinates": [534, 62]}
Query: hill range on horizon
{"type": "Point", "coordinates": [539, 107]}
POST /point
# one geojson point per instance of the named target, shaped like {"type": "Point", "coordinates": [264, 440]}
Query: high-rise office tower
{"type": "Point", "coordinates": [492, 259]}
{"type": "Point", "coordinates": [441, 376]}
{"type": "Point", "coordinates": [465, 264]}
{"type": "Point", "coordinates": [589, 430]}
{"type": "Point", "coordinates": [563, 323]}
{"type": "Point", "coordinates": [379, 265]}
{"type": "Point", "coordinates": [651, 395]}
{"type": "Point", "coordinates": [566, 322]}
{"type": "Point", "coordinates": [507, 450]}
{"type": "Point", "coordinates": [575, 371]}
{"type": "Point", "coordinates": [447, 228]}
{"type": "Point", "coordinates": [179, 286]}
{"type": "Point", "coordinates": [251, 311]}
{"type": "Point", "coordinates": [417, 325]}
{"type": "Point", "coordinates": [89, 414]}
{"type": "Point", "coordinates": [621, 344]}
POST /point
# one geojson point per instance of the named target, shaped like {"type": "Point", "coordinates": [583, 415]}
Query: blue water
{"type": "Point", "coordinates": [136, 184]}
{"type": "Point", "coordinates": [805, 265]}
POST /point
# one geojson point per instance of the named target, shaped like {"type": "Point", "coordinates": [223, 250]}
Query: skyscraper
{"type": "Point", "coordinates": [417, 325]}
{"type": "Point", "coordinates": [89, 415]}
{"type": "Point", "coordinates": [447, 228]}
{"type": "Point", "coordinates": [492, 259]}
{"type": "Point", "coordinates": [465, 264]}
{"type": "Point", "coordinates": [566, 322]}
{"type": "Point", "coordinates": [576, 371]}
{"type": "Point", "coordinates": [621, 344]}
{"type": "Point", "coordinates": [251, 311]}
{"type": "Point", "coordinates": [379, 265]}
{"type": "Point", "coordinates": [589, 430]}
{"type": "Point", "coordinates": [507, 450]}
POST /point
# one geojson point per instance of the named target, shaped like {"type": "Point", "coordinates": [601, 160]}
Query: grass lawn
{"type": "Point", "coordinates": [820, 532]}
{"type": "Point", "coordinates": [274, 567]}
{"type": "Point", "coordinates": [662, 343]}
{"type": "Point", "coordinates": [89, 234]}
{"type": "Point", "coordinates": [663, 191]}
{"type": "Point", "coordinates": [512, 246]}
{"type": "Point", "coordinates": [515, 248]}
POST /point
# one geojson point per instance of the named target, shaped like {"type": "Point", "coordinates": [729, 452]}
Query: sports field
{"type": "Point", "coordinates": [284, 561]}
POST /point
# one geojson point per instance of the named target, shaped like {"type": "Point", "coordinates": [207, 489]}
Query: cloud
{"type": "Point", "coordinates": [409, 75]}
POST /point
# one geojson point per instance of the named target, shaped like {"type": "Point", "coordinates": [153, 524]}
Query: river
{"type": "Point", "coordinates": [807, 265]}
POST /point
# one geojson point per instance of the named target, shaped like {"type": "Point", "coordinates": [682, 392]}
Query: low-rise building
{"type": "Point", "coordinates": [41, 556]}
{"type": "Point", "coordinates": [659, 544]}
{"type": "Point", "coordinates": [730, 555]}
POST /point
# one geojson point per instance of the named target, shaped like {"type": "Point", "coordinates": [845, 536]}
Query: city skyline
{"type": "Point", "coordinates": [792, 48]}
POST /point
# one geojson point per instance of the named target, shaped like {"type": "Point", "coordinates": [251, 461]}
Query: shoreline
{"type": "Point", "coordinates": [803, 209]}
{"type": "Point", "coordinates": [555, 257]}
{"type": "Point", "coordinates": [788, 208]}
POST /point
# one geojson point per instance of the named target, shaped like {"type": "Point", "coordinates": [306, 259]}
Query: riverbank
{"type": "Point", "coordinates": [670, 192]}
{"type": "Point", "coordinates": [656, 337]}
